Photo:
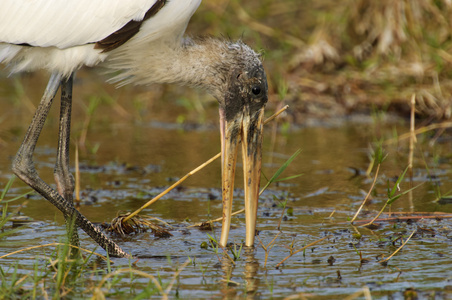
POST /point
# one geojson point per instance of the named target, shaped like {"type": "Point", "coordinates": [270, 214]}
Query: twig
{"type": "Point", "coordinates": [191, 173]}
{"type": "Point", "coordinates": [398, 249]}
{"type": "Point", "coordinates": [368, 194]}
{"type": "Point", "coordinates": [301, 249]}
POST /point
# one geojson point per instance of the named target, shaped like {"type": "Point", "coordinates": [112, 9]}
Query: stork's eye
{"type": "Point", "coordinates": [256, 90]}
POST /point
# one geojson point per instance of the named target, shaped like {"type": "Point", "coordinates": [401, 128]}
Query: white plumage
{"type": "Point", "coordinates": [66, 23]}
{"type": "Point", "coordinates": [64, 32]}
{"type": "Point", "coordinates": [143, 40]}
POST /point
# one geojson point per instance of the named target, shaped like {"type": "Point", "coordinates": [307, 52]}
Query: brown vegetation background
{"type": "Point", "coordinates": [340, 58]}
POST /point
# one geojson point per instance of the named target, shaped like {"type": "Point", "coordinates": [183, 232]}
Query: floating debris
{"type": "Point", "coordinates": [137, 224]}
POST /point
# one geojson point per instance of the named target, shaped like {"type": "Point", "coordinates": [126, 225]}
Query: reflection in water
{"type": "Point", "coordinates": [228, 286]}
{"type": "Point", "coordinates": [252, 280]}
{"type": "Point", "coordinates": [250, 286]}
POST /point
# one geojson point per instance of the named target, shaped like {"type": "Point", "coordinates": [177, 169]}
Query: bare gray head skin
{"type": "Point", "coordinates": [242, 92]}
{"type": "Point", "coordinates": [241, 78]}
{"type": "Point", "coordinates": [247, 86]}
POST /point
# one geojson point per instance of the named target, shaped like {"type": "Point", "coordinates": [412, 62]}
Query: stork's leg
{"type": "Point", "coordinates": [24, 168]}
{"type": "Point", "coordinates": [63, 177]}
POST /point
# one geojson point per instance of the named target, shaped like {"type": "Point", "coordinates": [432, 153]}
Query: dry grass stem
{"type": "Point", "coordinates": [98, 294]}
{"type": "Point", "coordinates": [398, 249]}
{"type": "Point", "coordinates": [170, 286]}
{"type": "Point", "coordinates": [225, 252]}
{"type": "Point", "coordinates": [292, 253]}
{"type": "Point", "coordinates": [368, 194]}
{"type": "Point", "coordinates": [376, 217]}
{"type": "Point", "coordinates": [53, 244]}
{"type": "Point", "coordinates": [194, 171]}
{"type": "Point", "coordinates": [439, 214]}
{"type": "Point", "coordinates": [413, 140]}
{"type": "Point", "coordinates": [147, 218]}
{"type": "Point", "coordinates": [137, 224]}
{"type": "Point", "coordinates": [412, 137]}
{"type": "Point", "coordinates": [355, 229]}
{"type": "Point", "coordinates": [84, 133]}
{"type": "Point", "coordinates": [420, 130]}
{"type": "Point", "coordinates": [331, 214]}
{"type": "Point", "coordinates": [132, 215]}
{"type": "Point", "coordinates": [217, 219]}
{"type": "Point", "coordinates": [411, 216]}
{"type": "Point", "coordinates": [268, 247]}
{"type": "Point", "coordinates": [276, 114]}
{"type": "Point", "coordinates": [221, 218]}
{"type": "Point", "coordinates": [280, 218]}
{"type": "Point", "coordinates": [19, 282]}
{"type": "Point", "coordinates": [384, 207]}
{"type": "Point", "coordinates": [77, 175]}
{"type": "Point", "coordinates": [364, 291]}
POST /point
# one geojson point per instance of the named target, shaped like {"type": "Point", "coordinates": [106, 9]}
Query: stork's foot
{"type": "Point", "coordinates": [24, 169]}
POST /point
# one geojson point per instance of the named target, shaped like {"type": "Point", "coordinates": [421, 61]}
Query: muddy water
{"type": "Point", "coordinates": [128, 158]}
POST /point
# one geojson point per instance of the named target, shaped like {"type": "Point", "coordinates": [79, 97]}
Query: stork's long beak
{"type": "Point", "coordinates": [245, 127]}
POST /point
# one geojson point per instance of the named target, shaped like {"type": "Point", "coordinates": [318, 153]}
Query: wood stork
{"type": "Point", "coordinates": [143, 42]}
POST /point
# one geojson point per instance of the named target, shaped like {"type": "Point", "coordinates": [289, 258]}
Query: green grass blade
{"type": "Point", "coordinates": [289, 177]}
{"type": "Point", "coordinates": [281, 169]}
{"type": "Point", "coordinates": [396, 185]}
{"type": "Point", "coordinates": [391, 200]}
{"type": "Point", "coordinates": [18, 197]}
{"type": "Point", "coordinates": [7, 187]}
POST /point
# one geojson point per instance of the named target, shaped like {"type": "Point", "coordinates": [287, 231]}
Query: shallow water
{"type": "Point", "coordinates": [126, 161]}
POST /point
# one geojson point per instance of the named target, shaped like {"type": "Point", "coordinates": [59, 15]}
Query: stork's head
{"type": "Point", "coordinates": [234, 75]}
{"type": "Point", "coordinates": [242, 98]}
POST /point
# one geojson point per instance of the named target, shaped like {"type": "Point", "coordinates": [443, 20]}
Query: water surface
{"type": "Point", "coordinates": [132, 155]}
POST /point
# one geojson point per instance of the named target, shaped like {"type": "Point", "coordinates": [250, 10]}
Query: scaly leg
{"type": "Point", "coordinates": [24, 168]}
{"type": "Point", "coordinates": [63, 177]}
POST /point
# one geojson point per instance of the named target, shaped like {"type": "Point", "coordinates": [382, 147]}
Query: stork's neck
{"type": "Point", "coordinates": [203, 63]}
